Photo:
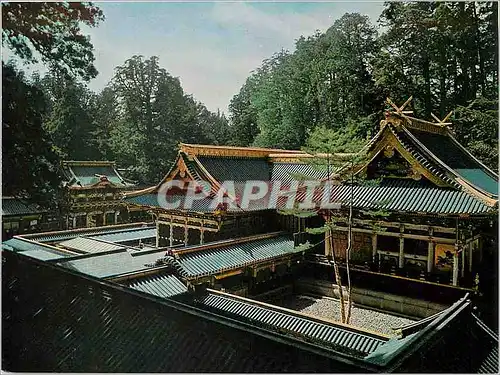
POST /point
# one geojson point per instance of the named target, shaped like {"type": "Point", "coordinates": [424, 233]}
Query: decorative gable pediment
{"type": "Point", "coordinates": [390, 163]}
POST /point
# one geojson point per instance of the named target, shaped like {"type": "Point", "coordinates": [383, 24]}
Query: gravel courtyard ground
{"type": "Point", "coordinates": [330, 308]}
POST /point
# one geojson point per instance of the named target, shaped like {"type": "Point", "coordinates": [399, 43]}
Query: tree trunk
{"type": "Point", "coordinates": [482, 78]}
{"type": "Point", "coordinates": [348, 251]}
{"type": "Point", "coordinates": [427, 79]}
{"type": "Point", "coordinates": [338, 279]}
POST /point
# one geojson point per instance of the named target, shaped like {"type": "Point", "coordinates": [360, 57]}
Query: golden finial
{"type": "Point", "coordinates": [443, 121]}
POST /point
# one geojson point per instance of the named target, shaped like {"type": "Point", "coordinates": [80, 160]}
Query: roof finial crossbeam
{"type": "Point", "coordinates": [443, 121]}
{"type": "Point", "coordinates": [400, 110]}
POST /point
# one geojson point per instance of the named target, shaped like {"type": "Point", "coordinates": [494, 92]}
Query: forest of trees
{"type": "Point", "coordinates": [444, 54]}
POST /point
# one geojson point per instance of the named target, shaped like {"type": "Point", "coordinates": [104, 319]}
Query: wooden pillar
{"type": "Point", "coordinates": [471, 249]}
{"type": "Point", "coordinates": [186, 230]}
{"type": "Point", "coordinates": [328, 250]}
{"type": "Point", "coordinates": [87, 222]}
{"type": "Point", "coordinates": [401, 247]}
{"type": "Point", "coordinates": [430, 251]}
{"type": "Point", "coordinates": [455, 266]}
{"type": "Point", "coordinates": [171, 234]}
{"type": "Point", "coordinates": [202, 232]}
{"type": "Point", "coordinates": [462, 269]}
{"type": "Point", "coordinates": [374, 246]}
{"type": "Point", "coordinates": [157, 234]}
{"type": "Point", "coordinates": [74, 222]}
{"type": "Point", "coordinates": [401, 252]}
{"type": "Point", "coordinates": [430, 256]}
{"type": "Point", "coordinates": [104, 218]}
{"type": "Point", "coordinates": [117, 213]}
{"type": "Point", "coordinates": [480, 247]}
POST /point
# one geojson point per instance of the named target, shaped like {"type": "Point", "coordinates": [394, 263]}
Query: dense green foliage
{"type": "Point", "coordinates": [153, 115]}
{"type": "Point", "coordinates": [52, 31]}
{"type": "Point", "coordinates": [29, 164]}
{"type": "Point", "coordinates": [445, 54]}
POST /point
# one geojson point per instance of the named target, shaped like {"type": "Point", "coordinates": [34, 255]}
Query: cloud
{"type": "Point", "coordinates": [211, 47]}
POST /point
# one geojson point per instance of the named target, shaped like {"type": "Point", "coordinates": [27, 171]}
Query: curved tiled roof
{"type": "Point", "coordinates": [232, 256]}
{"type": "Point", "coordinates": [15, 207]}
{"type": "Point", "coordinates": [85, 173]}
{"type": "Point", "coordinates": [405, 195]}
{"type": "Point", "coordinates": [66, 235]}
{"type": "Point", "coordinates": [288, 172]}
{"type": "Point", "coordinates": [340, 338]}
{"type": "Point", "coordinates": [34, 250]}
{"type": "Point", "coordinates": [449, 152]}
{"type": "Point", "coordinates": [160, 285]}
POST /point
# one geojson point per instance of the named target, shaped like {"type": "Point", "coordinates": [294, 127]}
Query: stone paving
{"type": "Point", "coordinates": [330, 308]}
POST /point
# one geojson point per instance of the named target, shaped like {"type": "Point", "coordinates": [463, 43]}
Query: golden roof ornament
{"type": "Point", "coordinates": [400, 111]}
{"type": "Point", "coordinates": [443, 121]}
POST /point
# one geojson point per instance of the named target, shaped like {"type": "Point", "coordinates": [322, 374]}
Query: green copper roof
{"type": "Point", "coordinates": [127, 235]}
{"type": "Point", "coordinates": [89, 245]}
{"type": "Point", "coordinates": [287, 172]}
{"type": "Point", "coordinates": [450, 153]}
{"type": "Point", "coordinates": [87, 232]}
{"type": "Point", "coordinates": [225, 258]}
{"type": "Point", "coordinates": [108, 265]}
{"type": "Point", "coordinates": [85, 175]}
{"type": "Point", "coordinates": [17, 207]}
{"type": "Point", "coordinates": [160, 285]}
{"type": "Point", "coordinates": [33, 250]}
{"type": "Point", "coordinates": [236, 169]}
{"type": "Point", "coordinates": [340, 338]}
{"type": "Point", "coordinates": [409, 196]}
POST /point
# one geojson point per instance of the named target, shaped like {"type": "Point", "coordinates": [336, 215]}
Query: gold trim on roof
{"type": "Point", "coordinates": [228, 151]}
{"type": "Point", "coordinates": [87, 163]}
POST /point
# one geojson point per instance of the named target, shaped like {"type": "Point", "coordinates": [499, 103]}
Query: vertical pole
{"type": "Point", "coordinates": [185, 233]}
{"type": "Point", "coordinates": [401, 247]}
{"type": "Point", "coordinates": [430, 252]}
{"type": "Point", "coordinates": [74, 222]}
{"type": "Point", "coordinates": [472, 247]}
{"type": "Point", "coordinates": [171, 235]}
{"type": "Point", "coordinates": [374, 246]}
{"type": "Point", "coordinates": [104, 218]}
{"type": "Point", "coordinates": [202, 232]}
{"type": "Point", "coordinates": [430, 256]}
{"type": "Point", "coordinates": [328, 249]}
{"type": "Point", "coordinates": [401, 251]}
{"type": "Point", "coordinates": [455, 266]}
{"type": "Point", "coordinates": [462, 269]}
{"type": "Point", "coordinates": [87, 222]}
{"type": "Point", "coordinates": [157, 234]}
{"type": "Point", "coordinates": [116, 217]}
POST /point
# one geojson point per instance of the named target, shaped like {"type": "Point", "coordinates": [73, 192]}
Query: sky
{"type": "Point", "coordinates": [211, 46]}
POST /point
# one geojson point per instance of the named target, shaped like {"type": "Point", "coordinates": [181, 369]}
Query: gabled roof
{"type": "Point", "coordinates": [93, 174]}
{"type": "Point", "coordinates": [460, 184]}
{"type": "Point", "coordinates": [217, 164]}
{"type": "Point", "coordinates": [435, 154]}
{"type": "Point", "coordinates": [12, 206]}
